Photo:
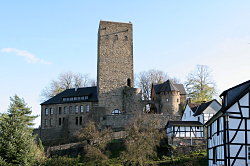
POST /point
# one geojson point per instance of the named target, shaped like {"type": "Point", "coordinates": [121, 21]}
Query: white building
{"type": "Point", "coordinates": [229, 129]}
{"type": "Point", "coordinates": [191, 124]}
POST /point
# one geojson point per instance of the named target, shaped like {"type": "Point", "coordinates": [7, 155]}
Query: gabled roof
{"type": "Point", "coordinates": [91, 92]}
{"type": "Point", "coordinates": [193, 106]}
{"type": "Point", "coordinates": [184, 123]}
{"type": "Point", "coordinates": [244, 88]}
{"type": "Point", "coordinates": [202, 107]}
{"type": "Point", "coordinates": [168, 86]}
{"type": "Point", "coordinates": [233, 92]}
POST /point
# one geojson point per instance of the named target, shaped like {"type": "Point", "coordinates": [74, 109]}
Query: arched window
{"type": "Point", "coordinates": [129, 82]}
{"type": "Point", "coordinates": [116, 112]}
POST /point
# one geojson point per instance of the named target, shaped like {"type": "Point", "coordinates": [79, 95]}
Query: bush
{"type": "Point", "coordinates": [59, 161]}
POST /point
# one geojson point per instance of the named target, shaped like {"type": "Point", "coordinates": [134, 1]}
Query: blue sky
{"type": "Point", "coordinates": [41, 39]}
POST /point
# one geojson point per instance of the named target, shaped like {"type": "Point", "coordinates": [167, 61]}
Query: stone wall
{"type": "Point", "coordinates": [115, 63]}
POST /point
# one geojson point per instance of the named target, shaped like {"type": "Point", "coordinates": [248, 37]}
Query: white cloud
{"type": "Point", "coordinates": [29, 57]}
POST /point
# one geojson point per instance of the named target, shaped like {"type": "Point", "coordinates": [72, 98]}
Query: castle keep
{"type": "Point", "coordinates": [114, 102]}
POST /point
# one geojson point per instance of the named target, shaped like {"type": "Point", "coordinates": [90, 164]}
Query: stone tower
{"type": "Point", "coordinates": [115, 64]}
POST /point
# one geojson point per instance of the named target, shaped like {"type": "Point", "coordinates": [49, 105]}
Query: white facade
{"type": "Point", "coordinates": [229, 133]}
{"type": "Point", "coordinates": [185, 131]}
{"type": "Point", "coordinates": [188, 114]}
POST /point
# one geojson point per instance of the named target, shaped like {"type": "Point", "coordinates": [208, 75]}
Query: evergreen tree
{"type": "Point", "coordinates": [17, 145]}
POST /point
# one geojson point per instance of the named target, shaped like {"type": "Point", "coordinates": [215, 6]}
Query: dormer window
{"type": "Point", "coordinates": [77, 98]}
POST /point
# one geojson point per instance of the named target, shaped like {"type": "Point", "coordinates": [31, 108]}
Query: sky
{"type": "Point", "coordinates": [41, 39]}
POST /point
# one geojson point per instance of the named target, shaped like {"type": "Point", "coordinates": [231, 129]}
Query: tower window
{"type": "Point", "coordinates": [116, 37]}
{"type": "Point", "coordinates": [129, 82]}
{"type": "Point", "coordinates": [116, 112]}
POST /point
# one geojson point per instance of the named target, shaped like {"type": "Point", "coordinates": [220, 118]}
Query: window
{"type": "Point", "coordinates": [50, 122]}
{"type": "Point", "coordinates": [198, 119]}
{"type": "Point", "coordinates": [116, 112]}
{"type": "Point", "coordinates": [81, 108]}
{"type": "Point", "coordinates": [63, 120]}
{"type": "Point", "coordinates": [125, 38]}
{"type": "Point", "coordinates": [129, 82]}
{"type": "Point", "coordinates": [80, 122]}
{"type": "Point", "coordinates": [51, 111]}
{"type": "Point", "coordinates": [70, 110]}
{"type": "Point", "coordinates": [198, 127]}
{"type": "Point", "coordinates": [59, 110]}
{"type": "Point", "coordinates": [177, 100]}
{"type": "Point", "coordinates": [86, 97]}
{"type": "Point", "coordinates": [65, 110]}
{"type": "Point", "coordinates": [167, 99]}
{"type": "Point", "coordinates": [46, 122]}
{"type": "Point", "coordinates": [60, 121]}
{"type": "Point", "coordinates": [76, 108]}
{"type": "Point", "coordinates": [116, 37]}
{"type": "Point", "coordinates": [87, 108]}
{"type": "Point", "coordinates": [46, 111]}
{"type": "Point", "coordinates": [76, 120]}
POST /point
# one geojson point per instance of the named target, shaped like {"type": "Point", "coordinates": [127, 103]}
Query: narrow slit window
{"type": "Point", "coordinates": [76, 120]}
{"type": "Point", "coordinates": [129, 82]}
{"type": "Point", "coordinates": [60, 121]}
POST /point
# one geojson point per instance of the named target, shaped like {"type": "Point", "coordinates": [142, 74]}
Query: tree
{"type": "Point", "coordinates": [142, 140]}
{"type": "Point", "coordinates": [96, 141]}
{"type": "Point", "coordinates": [17, 144]}
{"type": "Point", "coordinates": [65, 81]}
{"type": "Point", "coordinates": [147, 78]}
{"type": "Point", "coordinates": [199, 84]}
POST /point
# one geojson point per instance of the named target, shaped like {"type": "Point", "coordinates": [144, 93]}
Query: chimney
{"type": "Point", "coordinates": [76, 87]}
{"type": "Point", "coordinates": [188, 100]}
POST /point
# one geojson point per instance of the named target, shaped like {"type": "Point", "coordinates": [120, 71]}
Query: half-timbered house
{"type": "Point", "coordinates": [191, 124]}
{"type": "Point", "coordinates": [229, 129]}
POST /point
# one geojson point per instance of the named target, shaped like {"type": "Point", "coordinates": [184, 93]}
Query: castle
{"type": "Point", "coordinates": [114, 102]}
